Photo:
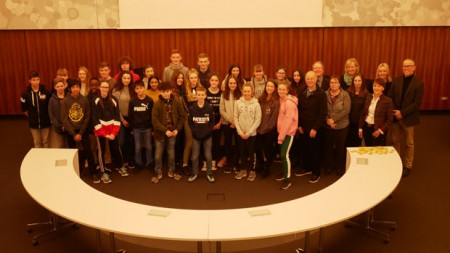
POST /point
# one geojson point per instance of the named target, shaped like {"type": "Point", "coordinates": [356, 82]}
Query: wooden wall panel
{"type": "Point", "coordinates": [50, 50]}
{"type": "Point", "coordinates": [370, 46]}
{"type": "Point", "coordinates": [13, 70]}
{"type": "Point", "coordinates": [143, 46]}
{"type": "Point", "coordinates": [291, 48]}
{"type": "Point", "coordinates": [427, 47]}
{"type": "Point", "coordinates": [443, 80]}
{"type": "Point", "coordinates": [224, 47]}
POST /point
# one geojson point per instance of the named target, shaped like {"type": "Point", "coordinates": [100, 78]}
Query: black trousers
{"type": "Point", "coordinates": [335, 152]}
{"type": "Point", "coordinates": [370, 140]}
{"type": "Point", "coordinates": [84, 152]}
{"type": "Point", "coordinates": [265, 150]}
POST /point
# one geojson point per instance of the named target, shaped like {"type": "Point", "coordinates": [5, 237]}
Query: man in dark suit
{"type": "Point", "coordinates": [323, 81]}
{"type": "Point", "coordinates": [407, 94]}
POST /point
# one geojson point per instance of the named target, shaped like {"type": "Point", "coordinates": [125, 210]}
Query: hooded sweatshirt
{"type": "Point", "coordinates": [36, 104]}
{"type": "Point", "coordinates": [76, 114]}
{"type": "Point", "coordinates": [54, 111]}
{"type": "Point", "coordinates": [201, 121]}
{"type": "Point", "coordinates": [287, 123]}
{"type": "Point", "coordinates": [247, 116]}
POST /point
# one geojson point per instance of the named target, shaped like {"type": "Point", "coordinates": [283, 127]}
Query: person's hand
{"type": "Point", "coordinates": [125, 123]}
{"type": "Point", "coordinates": [77, 138]}
{"type": "Point", "coordinates": [398, 114]}
{"type": "Point", "coordinates": [217, 126]}
{"type": "Point", "coordinates": [360, 134]}
{"type": "Point", "coordinates": [168, 133]}
{"type": "Point", "coordinates": [300, 130]}
{"type": "Point", "coordinates": [330, 122]}
{"type": "Point", "coordinates": [244, 136]}
{"type": "Point", "coordinates": [312, 133]}
{"type": "Point", "coordinates": [174, 133]}
{"type": "Point", "coordinates": [376, 133]}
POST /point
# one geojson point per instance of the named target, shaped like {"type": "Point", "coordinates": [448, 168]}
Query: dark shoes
{"type": "Point", "coordinates": [314, 178]}
{"type": "Point", "coordinates": [406, 172]}
{"type": "Point", "coordinates": [302, 173]}
{"type": "Point", "coordinates": [285, 185]}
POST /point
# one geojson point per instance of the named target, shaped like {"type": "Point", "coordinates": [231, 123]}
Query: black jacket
{"type": "Point", "coordinates": [312, 110]}
{"type": "Point", "coordinates": [36, 104]}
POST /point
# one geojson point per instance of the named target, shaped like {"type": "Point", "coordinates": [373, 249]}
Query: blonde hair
{"type": "Point", "coordinates": [386, 66]}
{"type": "Point", "coordinates": [187, 84]}
{"type": "Point", "coordinates": [350, 61]}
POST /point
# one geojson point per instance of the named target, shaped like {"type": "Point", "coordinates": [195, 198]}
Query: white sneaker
{"type": "Point", "coordinates": [213, 166]}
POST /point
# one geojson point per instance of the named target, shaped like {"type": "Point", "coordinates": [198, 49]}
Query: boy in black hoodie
{"type": "Point", "coordinates": [201, 122]}
{"type": "Point", "coordinates": [34, 103]}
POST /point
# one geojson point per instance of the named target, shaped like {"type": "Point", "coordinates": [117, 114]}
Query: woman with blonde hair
{"type": "Point", "coordinates": [383, 73]}
{"type": "Point", "coordinates": [350, 70]}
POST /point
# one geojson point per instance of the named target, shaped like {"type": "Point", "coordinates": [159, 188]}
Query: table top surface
{"type": "Point", "coordinates": [372, 174]}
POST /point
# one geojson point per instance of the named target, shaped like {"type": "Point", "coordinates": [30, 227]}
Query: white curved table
{"type": "Point", "coordinates": [60, 190]}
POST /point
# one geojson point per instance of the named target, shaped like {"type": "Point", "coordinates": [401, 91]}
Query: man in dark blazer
{"type": "Point", "coordinates": [323, 81]}
{"type": "Point", "coordinates": [407, 94]}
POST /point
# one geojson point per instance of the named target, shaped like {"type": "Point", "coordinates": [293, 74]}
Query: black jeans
{"type": "Point", "coordinates": [247, 150]}
{"type": "Point", "coordinates": [265, 148]}
{"type": "Point", "coordinates": [84, 152]}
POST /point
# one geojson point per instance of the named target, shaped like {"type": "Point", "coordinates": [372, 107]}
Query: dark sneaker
{"type": "Point", "coordinates": [280, 177]}
{"type": "Point", "coordinates": [314, 179]}
{"type": "Point", "coordinates": [227, 170]}
{"type": "Point", "coordinates": [302, 173]}
{"type": "Point", "coordinates": [210, 178]}
{"type": "Point", "coordinates": [406, 172]}
{"type": "Point", "coordinates": [96, 179]}
{"type": "Point", "coordinates": [286, 184]}
{"type": "Point", "coordinates": [131, 165]}
{"type": "Point", "coordinates": [192, 178]}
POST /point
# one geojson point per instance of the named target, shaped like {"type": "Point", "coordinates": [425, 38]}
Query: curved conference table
{"type": "Point", "coordinates": [50, 177]}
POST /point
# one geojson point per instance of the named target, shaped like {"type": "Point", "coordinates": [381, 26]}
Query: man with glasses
{"type": "Point", "coordinates": [407, 94]}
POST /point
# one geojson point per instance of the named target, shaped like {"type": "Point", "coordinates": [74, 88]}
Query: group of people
{"type": "Point", "coordinates": [241, 125]}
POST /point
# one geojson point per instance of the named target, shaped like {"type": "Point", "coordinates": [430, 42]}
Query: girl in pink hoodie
{"type": "Point", "coordinates": [287, 125]}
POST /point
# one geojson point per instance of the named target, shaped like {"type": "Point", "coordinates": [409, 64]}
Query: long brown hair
{"type": "Point", "coordinates": [264, 96]}
{"type": "Point", "coordinates": [226, 93]}
{"type": "Point", "coordinates": [352, 88]}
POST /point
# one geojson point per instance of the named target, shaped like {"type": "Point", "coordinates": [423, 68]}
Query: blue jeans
{"type": "Point", "coordinates": [207, 145]}
{"type": "Point", "coordinates": [169, 144]}
{"type": "Point", "coordinates": [143, 139]}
